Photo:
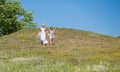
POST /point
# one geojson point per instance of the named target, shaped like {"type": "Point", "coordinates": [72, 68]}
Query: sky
{"type": "Point", "coordinates": [100, 16]}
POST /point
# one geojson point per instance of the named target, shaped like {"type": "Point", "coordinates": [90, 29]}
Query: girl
{"type": "Point", "coordinates": [51, 35]}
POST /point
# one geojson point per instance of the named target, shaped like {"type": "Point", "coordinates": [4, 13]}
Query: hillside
{"type": "Point", "coordinates": [74, 51]}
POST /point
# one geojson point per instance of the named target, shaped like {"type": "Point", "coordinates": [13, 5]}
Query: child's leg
{"type": "Point", "coordinates": [52, 41]}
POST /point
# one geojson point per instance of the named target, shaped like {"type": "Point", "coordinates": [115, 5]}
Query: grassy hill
{"type": "Point", "coordinates": [74, 51]}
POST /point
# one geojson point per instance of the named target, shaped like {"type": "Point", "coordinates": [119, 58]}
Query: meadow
{"type": "Point", "coordinates": [74, 51]}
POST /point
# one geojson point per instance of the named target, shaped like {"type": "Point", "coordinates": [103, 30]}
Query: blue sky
{"type": "Point", "coordinates": [101, 16]}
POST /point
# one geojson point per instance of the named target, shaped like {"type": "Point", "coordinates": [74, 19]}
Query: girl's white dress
{"type": "Point", "coordinates": [51, 34]}
{"type": "Point", "coordinates": [42, 36]}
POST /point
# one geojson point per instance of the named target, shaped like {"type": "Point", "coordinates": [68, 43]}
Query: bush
{"type": "Point", "coordinates": [13, 17]}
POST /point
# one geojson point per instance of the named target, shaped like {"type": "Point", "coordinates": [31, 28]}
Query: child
{"type": "Point", "coordinates": [51, 35]}
{"type": "Point", "coordinates": [42, 35]}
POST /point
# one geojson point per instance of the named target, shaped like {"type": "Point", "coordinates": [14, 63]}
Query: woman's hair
{"type": "Point", "coordinates": [43, 25]}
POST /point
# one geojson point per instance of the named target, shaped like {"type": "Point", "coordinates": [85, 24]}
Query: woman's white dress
{"type": "Point", "coordinates": [42, 36]}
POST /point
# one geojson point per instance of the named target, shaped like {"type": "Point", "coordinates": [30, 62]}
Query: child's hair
{"type": "Point", "coordinates": [51, 28]}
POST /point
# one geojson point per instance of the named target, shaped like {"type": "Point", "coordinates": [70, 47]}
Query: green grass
{"type": "Point", "coordinates": [74, 51]}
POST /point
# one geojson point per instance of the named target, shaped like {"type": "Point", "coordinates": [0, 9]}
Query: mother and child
{"type": "Point", "coordinates": [50, 33]}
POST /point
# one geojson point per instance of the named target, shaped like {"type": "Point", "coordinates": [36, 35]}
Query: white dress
{"type": "Point", "coordinates": [42, 36]}
{"type": "Point", "coordinates": [51, 34]}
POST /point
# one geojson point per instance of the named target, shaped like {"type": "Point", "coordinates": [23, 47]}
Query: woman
{"type": "Point", "coordinates": [42, 35]}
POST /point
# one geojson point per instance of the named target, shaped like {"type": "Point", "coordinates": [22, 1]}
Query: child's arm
{"type": "Point", "coordinates": [54, 31]}
{"type": "Point", "coordinates": [47, 32]}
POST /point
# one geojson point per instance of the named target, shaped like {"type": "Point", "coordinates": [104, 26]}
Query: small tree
{"type": "Point", "coordinates": [13, 17]}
